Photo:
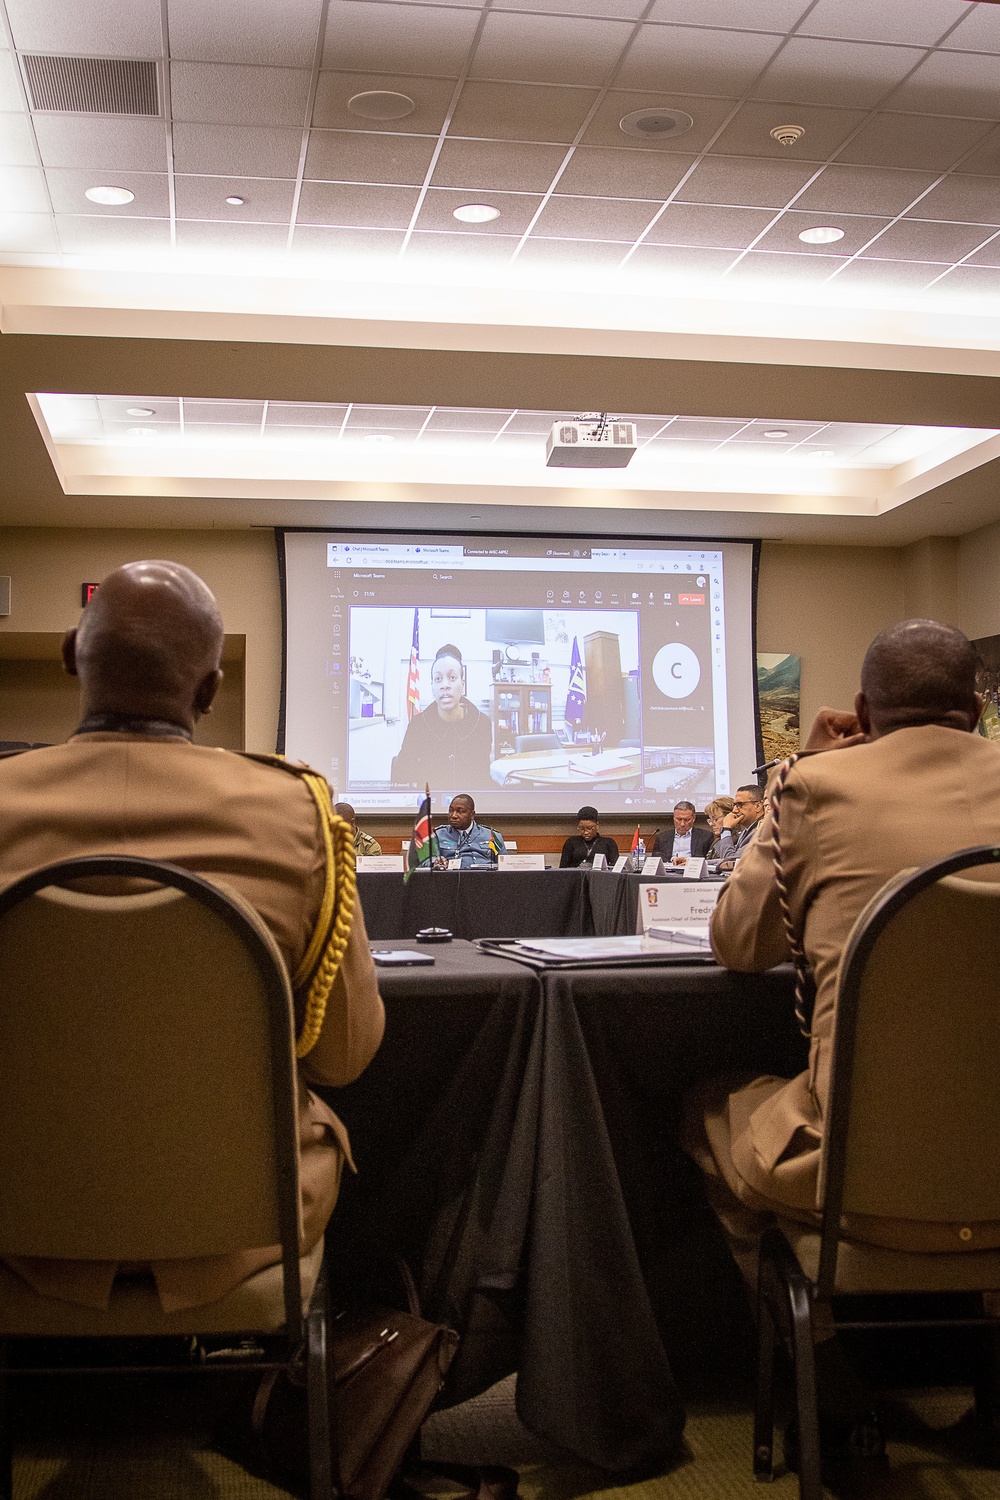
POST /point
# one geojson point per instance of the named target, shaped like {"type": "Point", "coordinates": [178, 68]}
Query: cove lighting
{"type": "Point", "coordinates": [822, 236]}
{"type": "Point", "coordinates": [476, 213]}
{"type": "Point", "coordinates": [111, 197]}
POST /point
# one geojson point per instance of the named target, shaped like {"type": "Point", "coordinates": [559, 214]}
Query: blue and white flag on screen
{"type": "Point", "coordinates": [576, 698]}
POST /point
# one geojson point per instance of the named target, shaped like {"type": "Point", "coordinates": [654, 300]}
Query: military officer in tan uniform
{"type": "Point", "coordinates": [130, 781]}
{"type": "Point", "coordinates": [907, 780]}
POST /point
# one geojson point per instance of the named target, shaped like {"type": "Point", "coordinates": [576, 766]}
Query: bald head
{"type": "Point", "coordinates": [918, 672]}
{"type": "Point", "coordinates": [148, 644]}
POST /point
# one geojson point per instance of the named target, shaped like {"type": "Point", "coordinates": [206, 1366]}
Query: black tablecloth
{"type": "Point", "coordinates": [614, 899]}
{"type": "Point", "coordinates": [516, 1141]}
{"type": "Point", "coordinates": [476, 903]}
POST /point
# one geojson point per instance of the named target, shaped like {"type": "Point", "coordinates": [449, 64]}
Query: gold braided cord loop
{"type": "Point", "coordinates": [802, 974]}
{"type": "Point", "coordinates": [328, 945]}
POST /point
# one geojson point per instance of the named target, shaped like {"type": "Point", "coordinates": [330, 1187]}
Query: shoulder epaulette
{"type": "Point", "coordinates": [294, 767]}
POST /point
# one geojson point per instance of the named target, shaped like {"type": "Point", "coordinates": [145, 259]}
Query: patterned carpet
{"type": "Point", "coordinates": [150, 1439]}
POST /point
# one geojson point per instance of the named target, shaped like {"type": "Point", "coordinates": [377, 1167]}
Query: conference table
{"type": "Point", "coordinates": [516, 1139]}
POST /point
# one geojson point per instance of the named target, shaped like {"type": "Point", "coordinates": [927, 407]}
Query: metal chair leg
{"type": "Point", "coordinates": [800, 1307]}
{"type": "Point", "coordinates": [319, 1398]}
{"type": "Point", "coordinates": [763, 1422]}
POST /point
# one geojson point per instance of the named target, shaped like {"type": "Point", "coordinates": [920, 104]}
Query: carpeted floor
{"type": "Point", "coordinates": [151, 1439]}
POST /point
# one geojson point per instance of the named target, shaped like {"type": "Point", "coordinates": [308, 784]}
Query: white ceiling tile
{"type": "Point", "coordinates": [979, 30]}
{"type": "Point", "coordinates": [858, 230]}
{"type": "Point", "coordinates": [16, 145]}
{"type": "Point", "coordinates": [461, 249]}
{"type": "Point", "coordinates": [22, 191]}
{"type": "Point", "coordinates": [282, 414]}
{"type": "Point", "coordinates": [972, 200]}
{"type": "Point", "coordinates": [762, 15]}
{"type": "Point", "coordinates": [971, 281]}
{"type": "Point", "coordinates": [953, 83]}
{"type": "Point", "coordinates": [693, 60]}
{"type": "Point", "coordinates": [628, 10]}
{"type": "Point", "coordinates": [919, 141]}
{"type": "Point", "coordinates": [920, 22]}
{"type": "Point", "coordinates": [101, 144]}
{"type": "Point", "coordinates": [82, 235]}
{"type": "Point", "coordinates": [164, 408]}
{"type": "Point", "coordinates": [394, 418]}
{"type": "Point", "coordinates": [989, 255]}
{"type": "Point", "coordinates": [986, 157]}
{"type": "Point", "coordinates": [697, 224]}
{"type": "Point", "coordinates": [682, 260]}
{"type": "Point", "coordinates": [708, 115]}
{"type": "Point", "coordinates": [381, 38]}
{"type": "Point", "coordinates": [702, 429]}
{"type": "Point", "coordinates": [95, 28]}
{"type": "Point", "coordinates": [231, 413]}
{"type": "Point", "coordinates": [751, 182]}
{"type": "Point", "coordinates": [865, 190]}
{"type": "Point", "coordinates": [231, 239]}
{"type": "Point", "coordinates": [11, 96]}
{"type": "Point", "coordinates": [343, 156]}
{"type": "Point", "coordinates": [69, 187]}
{"type": "Point", "coordinates": [316, 245]}
{"type": "Point", "coordinates": [913, 239]}
{"type": "Point", "coordinates": [853, 75]}
{"type": "Point", "coordinates": [887, 275]}
{"type": "Point", "coordinates": [431, 98]}
{"type": "Point", "coordinates": [516, 211]}
{"type": "Point", "coordinates": [621, 219]}
{"type": "Point", "coordinates": [749, 133]}
{"type": "Point", "coordinates": [569, 256]}
{"type": "Point", "coordinates": [497, 165]}
{"type": "Point", "coordinates": [481, 419]}
{"type": "Point", "coordinates": [264, 201]}
{"type": "Point", "coordinates": [548, 49]}
{"type": "Point", "coordinates": [29, 257]}
{"type": "Point", "coordinates": [27, 232]}
{"type": "Point", "coordinates": [218, 94]}
{"type": "Point", "coordinates": [249, 151]}
{"type": "Point", "coordinates": [356, 207]}
{"type": "Point", "coordinates": [609, 172]}
{"type": "Point", "coordinates": [245, 31]}
{"type": "Point", "coordinates": [520, 111]}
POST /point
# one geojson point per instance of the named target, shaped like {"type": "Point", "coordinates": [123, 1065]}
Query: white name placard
{"type": "Point", "coordinates": [599, 862]}
{"type": "Point", "coordinates": [677, 905]}
{"type": "Point", "coordinates": [384, 862]}
{"type": "Point", "coordinates": [510, 844]}
{"type": "Point", "coordinates": [621, 862]}
{"type": "Point", "coordinates": [694, 869]}
{"type": "Point", "coordinates": [522, 861]}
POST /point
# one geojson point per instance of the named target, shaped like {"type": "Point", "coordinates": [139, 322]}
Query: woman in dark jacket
{"type": "Point", "coordinates": [581, 848]}
{"type": "Point", "coordinates": [448, 745]}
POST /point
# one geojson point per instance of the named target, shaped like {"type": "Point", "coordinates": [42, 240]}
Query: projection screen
{"type": "Point", "coordinates": [536, 673]}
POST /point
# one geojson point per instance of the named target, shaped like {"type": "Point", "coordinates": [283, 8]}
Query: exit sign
{"type": "Point", "coordinates": [87, 592]}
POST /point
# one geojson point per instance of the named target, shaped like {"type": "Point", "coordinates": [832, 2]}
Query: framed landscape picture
{"type": "Point", "coordinates": [779, 680]}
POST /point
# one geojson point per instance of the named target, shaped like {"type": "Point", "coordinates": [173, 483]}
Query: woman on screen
{"type": "Point", "coordinates": [449, 743]}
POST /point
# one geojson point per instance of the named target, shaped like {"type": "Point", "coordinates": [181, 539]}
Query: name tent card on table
{"type": "Point", "coordinates": [522, 862]}
{"type": "Point", "coordinates": [694, 869]}
{"type": "Point", "coordinates": [621, 864]}
{"type": "Point", "coordinates": [383, 862]}
{"type": "Point", "coordinates": [677, 905]}
{"type": "Point", "coordinates": [599, 862]}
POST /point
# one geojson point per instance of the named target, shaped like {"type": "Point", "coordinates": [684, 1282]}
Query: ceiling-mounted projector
{"type": "Point", "coordinates": [590, 442]}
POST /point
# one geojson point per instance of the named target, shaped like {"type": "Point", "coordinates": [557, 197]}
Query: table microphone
{"type": "Point", "coordinates": [768, 765]}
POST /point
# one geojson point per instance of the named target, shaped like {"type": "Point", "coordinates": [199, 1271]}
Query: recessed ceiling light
{"type": "Point", "coordinates": [376, 439]}
{"type": "Point", "coordinates": [824, 453]}
{"type": "Point", "coordinates": [141, 432]}
{"type": "Point", "coordinates": [381, 104]}
{"type": "Point", "coordinates": [476, 213]}
{"type": "Point", "coordinates": [139, 411]}
{"type": "Point", "coordinates": [776, 432]}
{"type": "Point", "coordinates": [235, 201]}
{"type": "Point", "coordinates": [656, 124]}
{"type": "Point", "coordinates": [111, 196]}
{"type": "Point", "coordinates": [822, 236]}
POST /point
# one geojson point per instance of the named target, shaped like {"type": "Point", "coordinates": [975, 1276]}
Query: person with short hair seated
{"type": "Point", "coordinates": [739, 827]}
{"type": "Point", "coordinates": [580, 847]}
{"type": "Point", "coordinates": [462, 838]}
{"type": "Point", "coordinates": [682, 841]}
{"type": "Point", "coordinates": [131, 781]}
{"type": "Point", "coordinates": [364, 844]}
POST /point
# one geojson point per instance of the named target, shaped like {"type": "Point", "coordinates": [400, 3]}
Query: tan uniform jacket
{"type": "Point", "coordinates": [850, 820]}
{"type": "Point", "coordinates": [248, 826]}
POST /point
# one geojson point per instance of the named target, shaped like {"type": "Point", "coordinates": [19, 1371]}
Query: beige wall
{"type": "Point", "coordinates": [47, 567]}
{"type": "Point", "coordinates": [978, 567]}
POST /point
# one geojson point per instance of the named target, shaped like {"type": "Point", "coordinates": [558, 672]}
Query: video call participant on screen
{"type": "Point", "coordinates": [740, 826]}
{"type": "Point", "coordinates": [450, 740]}
{"type": "Point", "coordinates": [586, 842]}
{"type": "Point", "coordinates": [364, 844]}
{"type": "Point", "coordinates": [683, 841]}
{"type": "Point", "coordinates": [465, 839]}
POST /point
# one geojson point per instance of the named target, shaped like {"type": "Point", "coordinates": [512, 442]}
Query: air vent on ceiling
{"type": "Point", "coordinates": [91, 85]}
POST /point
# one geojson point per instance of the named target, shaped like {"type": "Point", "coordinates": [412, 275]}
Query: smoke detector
{"type": "Point", "coordinates": [656, 124]}
{"type": "Point", "coordinates": [787, 135]}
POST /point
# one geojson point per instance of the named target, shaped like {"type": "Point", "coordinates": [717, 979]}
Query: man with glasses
{"type": "Point", "coordinates": [740, 826]}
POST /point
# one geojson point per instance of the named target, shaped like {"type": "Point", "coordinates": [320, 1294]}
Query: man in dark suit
{"type": "Point", "coordinates": [683, 841]}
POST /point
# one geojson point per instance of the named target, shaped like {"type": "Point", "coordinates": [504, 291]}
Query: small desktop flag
{"type": "Point", "coordinates": [413, 677]}
{"type": "Point", "coordinates": [576, 697]}
{"type": "Point", "coordinates": [635, 840]}
{"type": "Point", "coordinates": [424, 843]}
{"type": "Point", "coordinates": [494, 847]}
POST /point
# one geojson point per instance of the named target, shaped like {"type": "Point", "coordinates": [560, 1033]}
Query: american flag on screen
{"type": "Point", "coordinates": [576, 697]}
{"type": "Point", "coordinates": [413, 678]}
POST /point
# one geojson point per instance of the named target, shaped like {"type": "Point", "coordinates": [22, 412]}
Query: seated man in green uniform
{"type": "Point", "coordinates": [364, 844]}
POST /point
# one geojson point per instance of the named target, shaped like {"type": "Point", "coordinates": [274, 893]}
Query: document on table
{"type": "Point", "coordinates": [690, 937]}
{"type": "Point", "coordinates": [601, 949]}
